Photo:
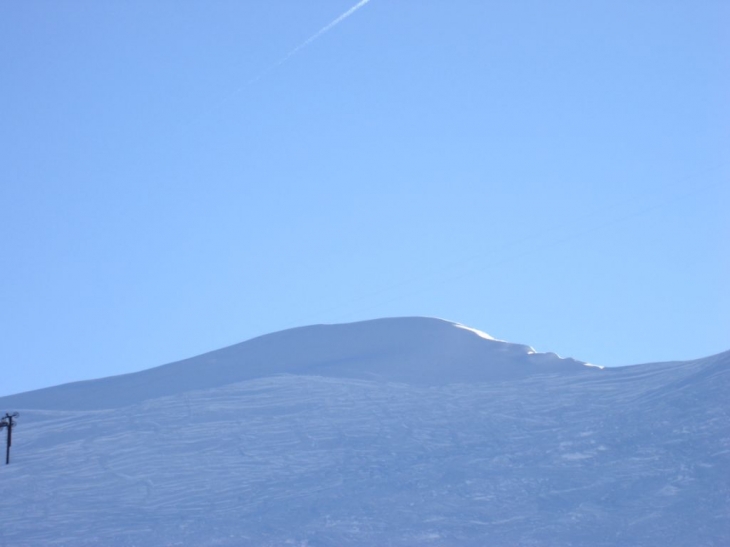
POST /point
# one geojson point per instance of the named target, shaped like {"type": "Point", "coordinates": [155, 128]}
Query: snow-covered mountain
{"type": "Point", "coordinates": [415, 350]}
{"type": "Point", "coordinates": [408, 431]}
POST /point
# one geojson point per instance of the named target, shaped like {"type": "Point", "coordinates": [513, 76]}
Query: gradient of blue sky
{"type": "Point", "coordinates": [553, 173]}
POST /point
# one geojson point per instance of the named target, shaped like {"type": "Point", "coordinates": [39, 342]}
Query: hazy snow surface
{"type": "Point", "coordinates": [398, 432]}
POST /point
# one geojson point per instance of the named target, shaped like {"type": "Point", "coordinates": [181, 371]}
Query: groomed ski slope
{"type": "Point", "coordinates": [395, 432]}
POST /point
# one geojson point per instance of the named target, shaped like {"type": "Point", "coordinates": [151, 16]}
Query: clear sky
{"type": "Point", "coordinates": [552, 173]}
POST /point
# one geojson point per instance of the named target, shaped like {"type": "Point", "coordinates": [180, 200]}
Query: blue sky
{"type": "Point", "coordinates": [552, 173]}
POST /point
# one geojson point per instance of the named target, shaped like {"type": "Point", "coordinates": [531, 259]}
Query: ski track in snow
{"type": "Point", "coordinates": [631, 456]}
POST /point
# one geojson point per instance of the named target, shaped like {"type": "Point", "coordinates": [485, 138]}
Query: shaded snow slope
{"type": "Point", "coordinates": [631, 456]}
{"type": "Point", "coordinates": [413, 350]}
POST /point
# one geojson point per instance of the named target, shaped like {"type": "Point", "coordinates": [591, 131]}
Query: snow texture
{"type": "Point", "coordinates": [394, 432]}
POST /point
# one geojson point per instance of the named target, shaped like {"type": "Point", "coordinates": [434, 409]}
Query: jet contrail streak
{"type": "Point", "coordinates": [289, 55]}
{"type": "Point", "coordinates": [305, 43]}
{"type": "Point", "coordinates": [324, 29]}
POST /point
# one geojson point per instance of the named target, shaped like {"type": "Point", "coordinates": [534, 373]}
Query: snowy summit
{"type": "Point", "coordinates": [407, 431]}
{"type": "Point", "coordinates": [412, 350]}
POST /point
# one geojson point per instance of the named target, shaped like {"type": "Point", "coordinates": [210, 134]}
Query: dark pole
{"type": "Point", "coordinates": [7, 421]}
{"type": "Point", "coordinates": [10, 440]}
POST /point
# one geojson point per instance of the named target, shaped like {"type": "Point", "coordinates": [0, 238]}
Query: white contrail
{"type": "Point", "coordinates": [324, 29]}
{"type": "Point", "coordinates": [305, 43]}
{"type": "Point", "coordinates": [289, 55]}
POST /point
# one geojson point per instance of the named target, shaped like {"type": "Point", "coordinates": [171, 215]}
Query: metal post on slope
{"type": "Point", "coordinates": [8, 421]}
